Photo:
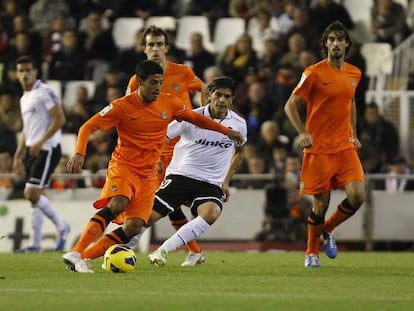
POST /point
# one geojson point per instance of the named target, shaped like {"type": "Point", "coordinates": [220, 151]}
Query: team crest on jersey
{"type": "Point", "coordinates": [164, 115]}
{"type": "Point", "coordinates": [114, 188]}
{"type": "Point", "coordinates": [176, 87]}
{"type": "Point", "coordinates": [353, 83]}
{"type": "Point", "coordinates": [105, 110]}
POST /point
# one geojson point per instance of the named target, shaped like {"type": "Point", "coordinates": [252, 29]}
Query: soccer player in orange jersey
{"type": "Point", "coordinates": [181, 81]}
{"type": "Point", "coordinates": [141, 119]}
{"type": "Point", "coordinates": [329, 139]}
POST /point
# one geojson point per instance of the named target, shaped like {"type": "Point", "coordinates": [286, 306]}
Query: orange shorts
{"type": "Point", "coordinates": [324, 172]}
{"type": "Point", "coordinates": [122, 181]}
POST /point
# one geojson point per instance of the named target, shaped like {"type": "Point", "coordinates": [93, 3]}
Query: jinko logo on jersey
{"type": "Point", "coordinates": [221, 144]}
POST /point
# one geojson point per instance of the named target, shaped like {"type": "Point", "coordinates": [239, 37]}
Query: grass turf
{"type": "Point", "coordinates": [227, 281]}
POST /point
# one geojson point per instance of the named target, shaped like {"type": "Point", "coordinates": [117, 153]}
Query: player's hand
{"type": "Point", "coordinates": [226, 192]}
{"type": "Point", "coordinates": [305, 140]}
{"type": "Point", "coordinates": [237, 136]}
{"type": "Point", "coordinates": [75, 163]}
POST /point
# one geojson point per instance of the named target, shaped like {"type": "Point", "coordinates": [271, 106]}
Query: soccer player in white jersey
{"type": "Point", "coordinates": [38, 152]}
{"type": "Point", "coordinates": [200, 171]}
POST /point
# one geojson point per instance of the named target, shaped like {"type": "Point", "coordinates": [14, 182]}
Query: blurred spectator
{"type": "Point", "coordinates": [21, 23]}
{"type": "Point", "coordinates": [69, 62]}
{"type": "Point", "coordinates": [42, 12]}
{"type": "Point", "coordinates": [269, 138]}
{"type": "Point", "coordinates": [269, 62]}
{"type": "Point", "coordinates": [61, 183]}
{"type": "Point", "coordinates": [210, 9]}
{"type": "Point", "coordinates": [79, 111]}
{"type": "Point", "coordinates": [52, 40]}
{"type": "Point", "coordinates": [256, 108]}
{"type": "Point", "coordinates": [21, 45]}
{"type": "Point", "coordinates": [10, 125]}
{"type": "Point", "coordinates": [278, 165]}
{"type": "Point", "coordinates": [8, 10]}
{"type": "Point", "coordinates": [99, 151]}
{"type": "Point", "coordinates": [197, 57]}
{"type": "Point", "coordinates": [263, 28]}
{"type": "Point", "coordinates": [9, 79]}
{"type": "Point", "coordinates": [4, 38]}
{"type": "Point", "coordinates": [242, 8]}
{"type": "Point", "coordinates": [175, 54]}
{"type": "Point", "coordinates": [303, 25]}
{"type": "Point", "coordinates": [145, 9]}
{"type": "Point", "coordinates": [296, 44]}
{"type": "Point", "coordinates": [286, 19]}
{"type": "Point", "coordinates": [397, 166]}
{"type": "Point", "coordinates": [379, 139]}
{"type": "Point", "coordinates": [113, 79]}
{"type": "Point", "coordinates": [129, 58]}
{"type": "Point", "coordinates": [327, 11]}
{"type": "Point", "coordinates": [255, 165]}
{"type": "Point", "coordinates": [98, 44]}
{"type": "Point", "coordinates": [210, 73]}
{"type": "Point", "coordinates": [388, 22]}
{"type": "Point", "coordinates": [239, 58]}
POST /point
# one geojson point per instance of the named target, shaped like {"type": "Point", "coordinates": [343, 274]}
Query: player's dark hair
{"type": "Point", "coordinates": [224, 82]}
{"type": "Point", "coordinates": [146, 68]}
{"type": "Point", "coordinates": [339, 29]}
{"type": "Point", "coordinates": [154, 31]}
{"type": "Point", "coordinates": [25, 59]}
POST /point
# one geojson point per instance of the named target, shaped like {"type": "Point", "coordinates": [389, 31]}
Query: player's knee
{"type": "Point", "coordinates": [357, 199]}
{"type": "Point", "coordinates": [118, 204]}
{"type": "Point", "coordinates": [31, 194]}
{"type": "Point", "coordinates": [132, 226]}
{"type": "Point", "coordinates": [209, 212]}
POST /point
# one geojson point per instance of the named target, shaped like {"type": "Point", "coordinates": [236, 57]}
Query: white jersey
{"type": "Point", "coordinates": [35, 105]}
{"type": "Point", "coordinates": [204, 154]}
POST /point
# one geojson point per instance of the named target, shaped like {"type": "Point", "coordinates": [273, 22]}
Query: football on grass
{"type": "Point", "coordinates": [119, 258]}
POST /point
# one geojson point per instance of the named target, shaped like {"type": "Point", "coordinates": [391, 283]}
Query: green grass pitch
{"type": "Point", "coordinates": [226, 281]}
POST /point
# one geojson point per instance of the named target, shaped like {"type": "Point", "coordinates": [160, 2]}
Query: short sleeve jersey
{"type": "Point", "coordinates": [214, 149]}
{"type": "Point", "coordinates": [142, 129]}
{"type": "Point", "coordinates": [329, 94]}
{"type": "Point", "coordinates": [179, 80]}
{"type": "Point", "coordinates": [34, 106]}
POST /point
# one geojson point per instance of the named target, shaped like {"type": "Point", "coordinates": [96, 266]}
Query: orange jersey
{"type": "Point", "coordinates": [179, 80]}
{"type": "Point", "coordinates": [141, 128]}
{"type": "Point", "coordinates": [329, 95]}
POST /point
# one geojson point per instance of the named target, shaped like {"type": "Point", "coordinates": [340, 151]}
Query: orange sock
{"type": "Point", "coordinates": [315, 228]}
{"type": "Point", "coordinates": [342, 213]}
{"type": "Point", "coordinates": [94, 229]}
{"type": "Point", "coordinates": [98, 249]}
{"type": "Point", "coordinates": [192, 246]}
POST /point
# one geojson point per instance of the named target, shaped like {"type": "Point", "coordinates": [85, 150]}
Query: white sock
{"type": "Point", "coordinates": [190, 231]}
{"type": "Point", "coordinates": [47, 209]}
{"type": "Point", "coordinates": [134, 240]}
{"type": "Point", "coordinates": [37, 222]}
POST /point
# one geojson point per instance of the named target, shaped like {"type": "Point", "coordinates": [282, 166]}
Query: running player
{"type": "Point", "coordinates": [203, 185]}
{"type": "Point", "coordinates": [141, 119]}
{"type": "Point", "coordinates": [181, 81]}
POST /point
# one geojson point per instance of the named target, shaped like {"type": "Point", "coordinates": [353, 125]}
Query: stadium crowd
{"type": "Point", "coordinates": [73, 40]}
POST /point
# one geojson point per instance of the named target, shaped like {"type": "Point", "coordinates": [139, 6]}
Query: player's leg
{"type": "Point", "coordinates": [178, 219]}
{"type": "Point", "coordinates": [206, 212]}
{"type": "Point", "coordinates": [349, 176]}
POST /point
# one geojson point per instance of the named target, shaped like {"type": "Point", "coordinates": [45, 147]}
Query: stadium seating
{"type": "Point", "coordinates": [56, 85]}
{"type": "Point", "coordinates": [70, 91]}
{"type": "Point", "coordinates": [226, 32]}
{"type": "Point", "coordinates": [164, 22]}
{"type": "Point", "coordinates": [190, 24]}
{"type": "Point", "coordinates": [124, 30]}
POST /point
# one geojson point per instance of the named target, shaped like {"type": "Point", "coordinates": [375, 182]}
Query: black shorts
{"type": "Point", "coordinates": [40, 168]}
{"type": "Point", "coordinates": [176, 190]}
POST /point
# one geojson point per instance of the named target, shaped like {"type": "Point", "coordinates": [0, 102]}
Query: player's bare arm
{"type": "Point", "coordinates": [292, 111]}
{"type": "Point", "coordinates": [235, 164]}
